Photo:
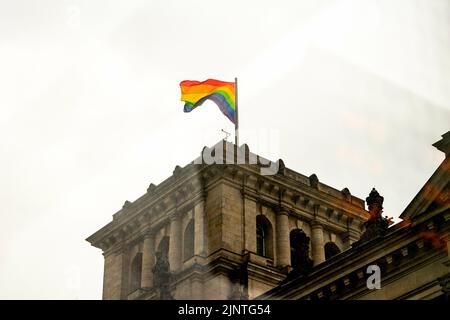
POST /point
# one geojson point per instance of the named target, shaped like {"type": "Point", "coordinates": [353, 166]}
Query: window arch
{"type": "Point", "coordinates": [264, 237]}
{"type": "Point", "coordinates": [188, 240]}
{"type": "Point", "coordinates": [299, 243]}
{"type": "Point", "coordinates": [136, 272]}
{"type": "Point", "coordinates": [331, 249]}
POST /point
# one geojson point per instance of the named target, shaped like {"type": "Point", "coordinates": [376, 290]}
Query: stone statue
{"type": "Point", "coordinates": [239, 281]}
{"type": "Point", "coordinates": [303, 264]}
{"type": "Point", "coordinates": [376, 225]}
{"type": "Point", "coordinates": [161, 276]}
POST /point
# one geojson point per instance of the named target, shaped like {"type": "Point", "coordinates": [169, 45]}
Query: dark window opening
{"type": "Point", "coordinates": [136, 272]}
{"type": "Point", "coordinates": [189, 241]}
{"type": "Point", "coordinates": [264, 237]}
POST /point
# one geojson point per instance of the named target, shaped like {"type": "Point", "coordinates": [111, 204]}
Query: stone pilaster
{"type": "Point", "coordinates": [249, 223]}
{"type": "Point", "coordinates": [114, 276]}
{"type": "Point", "coordinates": [175, 243]}
{"type": "Point", "coordinates": [283, 245]}
{"type": "Point", "coordinates": [199, 229]}
{"type": "Point", "coordinates": [318, 250]}
{"type": "Point", "coordinates": [148, 260]}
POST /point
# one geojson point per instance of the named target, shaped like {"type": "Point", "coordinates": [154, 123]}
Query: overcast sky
{"type": "Point", "coordinates": [353, 91]}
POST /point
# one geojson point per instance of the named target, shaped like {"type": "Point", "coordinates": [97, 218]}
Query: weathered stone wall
{"type": "Point", "coordinates": [214, 219]}
{"type": "Point", "coordinates": [223, 202]}
{"type": "Point", "coordinates": [114, 275]}
{"type": "Point", "coordinates": [232, 226]}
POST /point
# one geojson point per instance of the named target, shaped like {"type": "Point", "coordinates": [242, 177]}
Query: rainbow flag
{"type": "Point", "coordinates": [194, 93]}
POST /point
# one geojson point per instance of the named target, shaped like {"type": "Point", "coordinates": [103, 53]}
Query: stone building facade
{"type": "Point", "coordinates": [412, 257]}
{"type": "Point", "coordinates": [224, 230]}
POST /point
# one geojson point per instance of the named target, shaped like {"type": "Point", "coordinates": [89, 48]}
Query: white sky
{"type": "Point", "coordinates": [354, 91]}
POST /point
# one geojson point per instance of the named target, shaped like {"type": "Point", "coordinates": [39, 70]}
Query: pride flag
{"type": "Point", "coordinates": [194, 93]}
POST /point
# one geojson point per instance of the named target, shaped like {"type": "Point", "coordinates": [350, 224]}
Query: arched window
{"type": "Point", "coordinates": [299, 243]}
{"type": "Point", "coordinates": [260, 240]}
{"type": "Point", "coordinates": [331, 249]}
{"type": "Point", "coordinates": [264, 237]}
{"type": "Point", "coordinates": [188, 248]}
{"type": "Point", "coordinates": [136, 271]}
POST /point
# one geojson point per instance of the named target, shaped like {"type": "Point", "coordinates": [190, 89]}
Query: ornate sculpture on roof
{"type": "Point", "coordinates": [302, 264]}
{"type": "Point", "coordinates": [314, 181]}
{"type": "Point", "coordinates": [375, 204]}
{"type": "Point", "coordinates": [376, 225]}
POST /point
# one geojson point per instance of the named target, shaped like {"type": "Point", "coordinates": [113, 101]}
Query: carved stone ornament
{"type": "Point", "coordinates": [376, 226]}
{"type": "Point", "coordinates": [314, 181]}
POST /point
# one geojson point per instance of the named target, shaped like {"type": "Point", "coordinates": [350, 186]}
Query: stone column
{"type": "Point", "coordinates": [199, 229]}
{"type": "Point", "coordinates": [318, 250]}
{"type": "Point", "coordinates": [148, 260]}
{"type": "Point", "coordinates": [283, 245]}
{"type": "Point", "coordinates": [175, 243]}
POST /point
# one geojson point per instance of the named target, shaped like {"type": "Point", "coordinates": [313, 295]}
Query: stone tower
{"type": "Point", "coordinates": [229, 225]}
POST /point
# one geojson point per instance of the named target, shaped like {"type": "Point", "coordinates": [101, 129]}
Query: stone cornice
{"type": "Point", "coordinates": [398, 242]}
{"type": "Point", "coordinates": [189, 184]}
{"type": "Point", "coordinates": [158, 204]}
{"type": "Point", "coordinates": [291, 193]}
{"type": "Point", "coordinates": [305, 209]}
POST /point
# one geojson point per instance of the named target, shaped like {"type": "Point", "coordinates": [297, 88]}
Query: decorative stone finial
{"type": "Point", "coordinates": [126, 204]}
{"type": "Point", "coordinates": [281, 166]}
{"type": "Point", "coordinates": [346, 193]}
{"type": "Point", "coordinates": [375, 204]}
{"type": "Point", "coordinates": [376, 225]}
{"type": "Point", "coordinates": [314, 181]}
{"type": "Point", "coordinates": [151, 188]}
{"type": "Point", "coordinates": [375, 198]}
{"type": "Point", "coordinates": [176, 171]}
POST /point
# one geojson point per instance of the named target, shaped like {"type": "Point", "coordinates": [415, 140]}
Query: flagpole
{"type": "Point", "coordinates": [236, 124]}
